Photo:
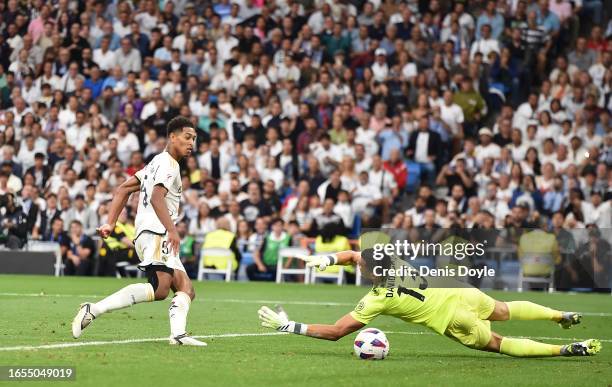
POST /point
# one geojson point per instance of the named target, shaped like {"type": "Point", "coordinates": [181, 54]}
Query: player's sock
{"type": "Point", "coordinates": [128, 296]}
{"type": "Point", "coordinates": [528, 348]}
{"type": "Point", "coordinates": [178, 313]}
{"type": "Point", "coordinates": [525, 310]}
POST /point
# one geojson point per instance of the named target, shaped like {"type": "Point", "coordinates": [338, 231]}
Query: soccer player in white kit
{"type": "Point", "coordinates": [157, 241]}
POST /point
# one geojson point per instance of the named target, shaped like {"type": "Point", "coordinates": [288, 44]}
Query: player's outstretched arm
{"type": "Point", "coordinates": [122, 193]}
{"type": "Point", "coordinates": [346, 325]}
{"type": "Point", "coordinates": [161, 210]}
{"type": "Point", "coordinates": [347, 257]}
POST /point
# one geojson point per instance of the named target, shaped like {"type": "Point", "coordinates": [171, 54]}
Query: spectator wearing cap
{"type": "Point", "coordinates": [380, 68]}
{"type": "Point", "coordinates": [487, 148]}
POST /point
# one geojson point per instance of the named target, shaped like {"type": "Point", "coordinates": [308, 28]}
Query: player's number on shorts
{"type": "Point", "coordinates": [165, 248]}
{"type": "Point", "coordinates": [402, 290]}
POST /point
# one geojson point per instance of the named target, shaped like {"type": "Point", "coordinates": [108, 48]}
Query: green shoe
{"type": "Point", "coordinates": [569, 319]}
{"type": "Point", "coordinates": [588, 347]}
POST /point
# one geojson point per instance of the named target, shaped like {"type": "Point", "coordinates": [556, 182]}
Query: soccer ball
{"type": "Point", "coordinates": [371, 344]}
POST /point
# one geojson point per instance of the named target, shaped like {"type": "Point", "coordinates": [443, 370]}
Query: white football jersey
{"type": "Point", "coordinates": [164, 170]}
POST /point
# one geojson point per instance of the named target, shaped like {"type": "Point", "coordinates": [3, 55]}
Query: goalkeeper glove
{"type": "Point", "coordinates": [280, 321]}
{"type": "Point", "coordinates": [319, 261]}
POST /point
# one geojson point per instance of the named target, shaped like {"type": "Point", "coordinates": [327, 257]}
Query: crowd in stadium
{"type": "Point", "coordinates": [315, 118]}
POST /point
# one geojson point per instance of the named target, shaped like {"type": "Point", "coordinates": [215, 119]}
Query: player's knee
{"type": "Point", "coordinates": [191, 293]}
{"type": "Point", "coordinates": [161, 293]}
{"type": "Point", "coordinates": [494, 344]}
{"type": "Point", "coordinates": [501, 312]}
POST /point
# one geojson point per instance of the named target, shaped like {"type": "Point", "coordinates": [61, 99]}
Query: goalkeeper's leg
{"type": "Point", "coordinates": [525, 310]}
{"type": "Point", "coordinates": [156, 289]}
{"type": "Point", "coordinates": [529, 348]}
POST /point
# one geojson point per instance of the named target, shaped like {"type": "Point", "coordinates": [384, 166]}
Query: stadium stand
{"type": "Point", "coordinates": [351, 115]}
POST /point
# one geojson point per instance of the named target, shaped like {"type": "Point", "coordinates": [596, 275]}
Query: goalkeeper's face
{"type": "Point", "coordinates": [371, 267]}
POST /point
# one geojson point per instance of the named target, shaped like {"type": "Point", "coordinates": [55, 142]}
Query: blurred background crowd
{"type": "Point", "coordinates": [315, 119]}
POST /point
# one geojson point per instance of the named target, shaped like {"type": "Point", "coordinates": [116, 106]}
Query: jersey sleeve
{"type": "Point", "coordinates": [165, 174]}
{"type": "Point", "coordinates": [140, 174]}
{"type": "Point", "coordinates": [368, 308]}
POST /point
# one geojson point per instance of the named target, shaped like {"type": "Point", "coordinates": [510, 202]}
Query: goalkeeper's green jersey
{"type": "Point", "coordinates": [431, 307]}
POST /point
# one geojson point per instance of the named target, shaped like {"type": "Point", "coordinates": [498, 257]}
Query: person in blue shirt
{"type": "Point", "coordinates": [547, 19]}
{"type": "Point", "coordinates": [491, 17]}
{"type": "Point", "coordinates": [94, 82]}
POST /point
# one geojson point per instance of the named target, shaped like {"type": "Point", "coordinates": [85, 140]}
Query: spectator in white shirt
{"type": "Point", "coordinates": [452, 114]}
{"type": "Point", "coordinates": [225, 43]}
{"type": "Point", "coordinates": [78, 133]}
{"type": "Point", "coordinates": [380, 69]}
{"type": "Point", "coordinates": [485, 44]}
{"type": "Point", "coordinates": [486, 148]}
{"type": "Point", "coordinates": [127, 142]}
{"type": "Point", "coordinates": [128, 57]}
{"type": "Point", "coordinates": [104, 56]}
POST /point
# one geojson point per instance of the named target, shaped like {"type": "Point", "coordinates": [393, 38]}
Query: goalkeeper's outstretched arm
{"type": "Point", "coordinates": [279, 321]}
{"type": "Point", "coordinates": [347, 257]}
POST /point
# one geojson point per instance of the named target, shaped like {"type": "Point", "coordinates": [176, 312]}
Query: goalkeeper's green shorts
{"type": "Point", "coordinates": [469, 325]}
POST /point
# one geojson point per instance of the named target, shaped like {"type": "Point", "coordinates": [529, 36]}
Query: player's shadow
{"type": "Point", "coordinates": [452, 356]}
{"type": "Point", "coordinates": [482, 355]}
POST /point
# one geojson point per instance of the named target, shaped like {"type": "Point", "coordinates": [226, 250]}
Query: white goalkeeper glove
{"type": "Point", "coordinates": [280, 321]}
{"type": "Point", "coordinates": [319, 261]}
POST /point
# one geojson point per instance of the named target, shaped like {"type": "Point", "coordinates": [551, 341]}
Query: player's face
{"type": "Point", "coordinates": [184, 142]}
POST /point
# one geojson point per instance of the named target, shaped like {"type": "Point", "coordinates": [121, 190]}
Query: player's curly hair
{"type": "Point", "coordinates": [177, 124]}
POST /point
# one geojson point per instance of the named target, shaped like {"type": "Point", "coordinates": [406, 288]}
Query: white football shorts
{"type": "Point", "coordinates": [153, 249]}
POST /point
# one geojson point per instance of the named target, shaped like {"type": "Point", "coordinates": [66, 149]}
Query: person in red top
{"type": "Point", "coordinates": [597, 41]}
{"type": "Point", "coordinates": [396, 166]}
{"type": "Point", "coordinates": [136, 164]}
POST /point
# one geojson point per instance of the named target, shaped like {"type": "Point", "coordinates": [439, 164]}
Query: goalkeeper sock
{"type": "Point", "coordinates": [528, 348]}
{"type": "Point", "coordinates": [178, 313]}
{"type": "Point", "coordinates": [525, 310]}
{"type": "Point", "coordinates": [128, 296]}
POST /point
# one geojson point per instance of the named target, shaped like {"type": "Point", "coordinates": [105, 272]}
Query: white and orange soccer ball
{"type": "Point", "coordinates": [371, 344]}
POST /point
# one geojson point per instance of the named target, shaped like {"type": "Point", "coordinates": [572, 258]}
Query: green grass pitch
{"type": "Point", "coordinates": [38, 310]}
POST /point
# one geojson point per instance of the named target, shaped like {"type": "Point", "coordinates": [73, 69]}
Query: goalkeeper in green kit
{"type": "Point", "coordinates": [462, 314]}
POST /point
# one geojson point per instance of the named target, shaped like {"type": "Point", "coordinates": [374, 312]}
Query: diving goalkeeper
{"type": "Point", "coordinates": [462, 314]}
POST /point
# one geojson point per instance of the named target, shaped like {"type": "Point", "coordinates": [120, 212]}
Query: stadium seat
{"type": "Point", "coordinates": [217, 252]}
{"type": "Point", "coordinates": [127, 268]}
{"type": "Point", "coordinates": [290, 252]}
{"type": "Point", "coordinates": [337, 275]}
{"type": "Point", "coordinates": [357, 276]}
{"type": "Point", "coordinates": [537, 269]}
{"type": "Point", "coordinates": [414, 176]}
{"type": "Point", "coordinates": [43, 246]}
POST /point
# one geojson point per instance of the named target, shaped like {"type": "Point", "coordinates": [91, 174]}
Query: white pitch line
{"type": "Point", "coordinates": [238, 301]}
{"type": "Point", "coordinates": [130, 341]}
{"type": "Point", "coordinates": [228, 335]}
